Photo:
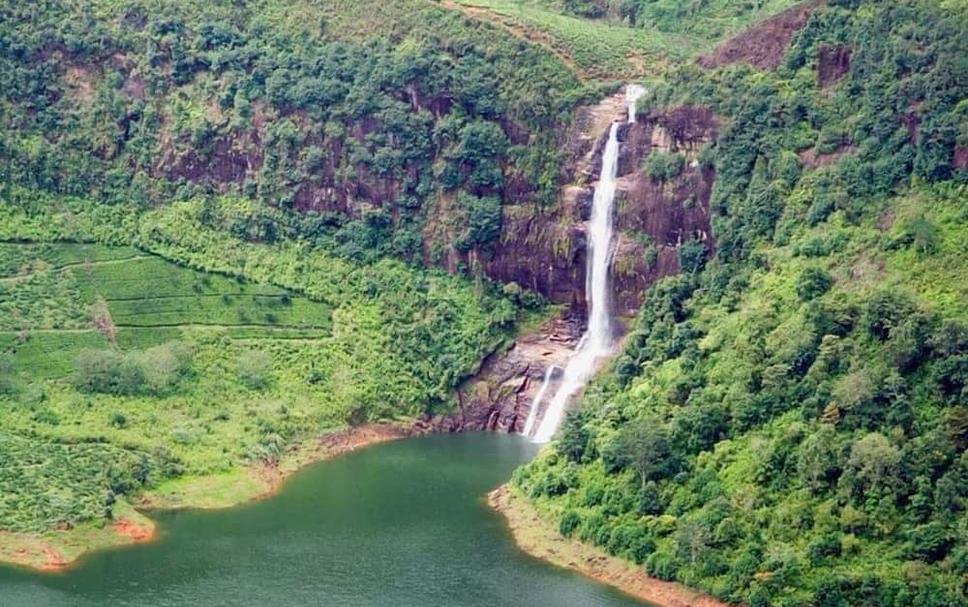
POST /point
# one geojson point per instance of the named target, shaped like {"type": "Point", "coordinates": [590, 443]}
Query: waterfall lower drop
{"type": "Point", "coordinates": [533, 413]}
{"type": "Point", "coordinates": [597, 340]}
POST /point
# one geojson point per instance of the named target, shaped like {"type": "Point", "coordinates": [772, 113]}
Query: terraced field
{"type": "Point", "coordinates": [56, 299]}
{"type": "Point", "coordinates": [68, 451]}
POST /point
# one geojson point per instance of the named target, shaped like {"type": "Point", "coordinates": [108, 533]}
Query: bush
{"type": "Point", "coordinates": [254, 369]}
{"type": "Point", "coordinates": [660, 166]}
{"type": "Point", "coordinates": [97, 371]}
{"type": "Point", "coordinates": [7, 384]}
{"type": "Point", "coordinates": [118, 420]}
{"type": "Point", "coordinates": [812, 283]}
{"type": "Point", "coordinates": [569, 522]}
{"type": "Point", "coordinates": [154, 371]}
{"type": "Point", "coordinates": [662, 565]}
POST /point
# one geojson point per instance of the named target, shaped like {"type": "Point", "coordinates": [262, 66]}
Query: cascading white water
{"type": "Point", "coordinates": [597, 340]}
{"type": "Point", "coordinates": [536, 403]}
{"type": "Point", "coordinates": [632, 94]}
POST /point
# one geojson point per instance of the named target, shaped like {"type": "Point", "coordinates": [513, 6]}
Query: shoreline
{"type": "Point", "coordinates": [58, 550]}
{"type": "Point", "coordinates": [539, 538]}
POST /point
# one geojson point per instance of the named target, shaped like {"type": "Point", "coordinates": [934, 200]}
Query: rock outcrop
{"type": "Point", "coordinates": [499, 397]}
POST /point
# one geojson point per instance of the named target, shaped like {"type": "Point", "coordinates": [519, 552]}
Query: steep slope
{"type": "Point", "coordinates": [786, 423]}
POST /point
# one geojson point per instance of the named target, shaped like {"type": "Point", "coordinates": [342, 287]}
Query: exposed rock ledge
{"type": "Point", "coordinates": [498, 398]}
{"type": "Point", "coordinates": [536, 536]}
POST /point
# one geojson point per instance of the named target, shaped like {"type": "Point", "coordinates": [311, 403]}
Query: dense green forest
{"type": "Point", "coordinates": [356, 118]}
{"type": "Point", "coordinates": [788, 419]}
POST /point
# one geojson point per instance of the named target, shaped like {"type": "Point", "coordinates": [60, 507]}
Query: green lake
{"type": "Point", "coordinates": [398, 525]}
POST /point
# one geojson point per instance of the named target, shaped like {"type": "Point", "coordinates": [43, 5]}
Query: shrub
{"type": "Point", "coordinates": [97, 371]}
{"type": "Point", "coordinates": [660, 166]}
{"type": "Point", "coordinates": [254, 369]}
{"type": "Point", "coordinates": [118, 420]}
{"type": "Point", "coordinates": [7, 383]}
{"type": "Point", "coordinates": [661, 565]}
{"type": "Point", "coordinates": [812, 283]}
{"type": "Point", "coordinates": [154, 371]}
{"type": "Point", "coordinates": [569, 522]}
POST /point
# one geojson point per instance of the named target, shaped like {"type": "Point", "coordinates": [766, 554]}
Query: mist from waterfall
{"type": "Point", "coordinates": [597, 340]}
{"type": "Point", "coordinates": [632, 94]}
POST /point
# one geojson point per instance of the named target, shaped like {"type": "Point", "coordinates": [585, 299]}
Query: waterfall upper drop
{"type": "Point", "coordinates": [632, 94]}
{"type": "Point", "coordinates": [597, 340]}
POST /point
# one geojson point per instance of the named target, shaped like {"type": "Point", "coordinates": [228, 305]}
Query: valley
{"type": "Point", "coordinates": [237, 239]}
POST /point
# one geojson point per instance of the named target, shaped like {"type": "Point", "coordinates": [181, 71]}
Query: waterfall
{"type": "Point", "coordinates": [597, 340]}
{"type": "Point", "coordinates": [533, 413]}
{"type": "Point", "coordinates": [632, 94]}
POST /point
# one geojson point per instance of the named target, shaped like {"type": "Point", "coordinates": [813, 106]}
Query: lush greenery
{"type": "Point", "coordinates": [212, 221]}
{"type": "Point", "coordinates": [360, 118]}
{"type": "Point", "coordinates": [787, 422]}
{"type": "Point", "coordinates": [121, 369]}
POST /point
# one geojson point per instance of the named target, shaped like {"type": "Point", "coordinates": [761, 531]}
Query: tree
{"type": "Point", "coordinates": [482, 220]}
{"type": "Point", "coordinates": [817, 460]}
{"type": "Point", "coordinates": [873, 468]}
{"type": "Point", "coordinates": [691, 255]}
{"type": "Point", "coordinates": [812, 283]}
{"type": "Point", "coordinates": [644, 445]}
{"type": "Point", "coordinates": [661, 166]}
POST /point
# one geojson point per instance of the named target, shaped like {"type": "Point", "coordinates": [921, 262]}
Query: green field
{"type": "Point", "coordinates": [50, 295]}
{"type": "Point", "coordinates": [609, 49]}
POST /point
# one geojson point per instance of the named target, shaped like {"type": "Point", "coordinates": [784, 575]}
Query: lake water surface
{"type": "Point", "coordinates": [403, 524]}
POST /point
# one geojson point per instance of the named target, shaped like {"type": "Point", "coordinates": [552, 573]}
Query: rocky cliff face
{"type": "Point", "coordinates": [654, 217]}
{"type": "Point", "coordinates": [499, 397]}
{"type": "Point", "coordinates": [545, 251]}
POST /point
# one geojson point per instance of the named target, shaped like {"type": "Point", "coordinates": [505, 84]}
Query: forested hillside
{"type": "Point", "coordinates": [788, 419]}
{"type": "Point", "coordinates": [212, 220]}
{"type": "Point", "coordinates": [354, 117]}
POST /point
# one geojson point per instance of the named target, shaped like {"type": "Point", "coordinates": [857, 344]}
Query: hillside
{"type": "Point", "coordinates": [228, 229]}
{"type": "Point", "coordinates": [786, 423]}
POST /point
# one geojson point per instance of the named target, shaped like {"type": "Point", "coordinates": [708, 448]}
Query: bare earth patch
{"type": "Point", "coordinates": [536, 536]}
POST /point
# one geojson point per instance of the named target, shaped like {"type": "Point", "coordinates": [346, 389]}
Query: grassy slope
{"type": "Point", "coordinates": [610, 50]}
